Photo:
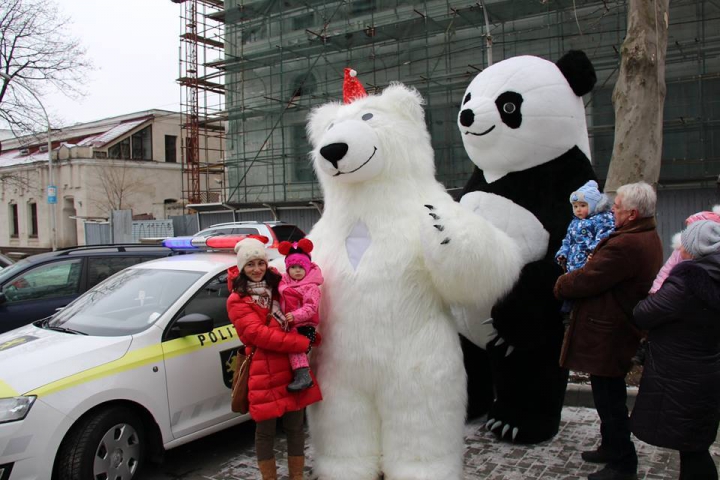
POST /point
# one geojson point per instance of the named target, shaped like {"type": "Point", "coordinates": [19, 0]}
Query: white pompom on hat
{"type": "Point", "coordinates": [249, 249]}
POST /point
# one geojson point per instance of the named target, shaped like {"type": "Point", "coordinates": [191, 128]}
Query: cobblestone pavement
{"type": "Point", "coordinates": [485, 458]}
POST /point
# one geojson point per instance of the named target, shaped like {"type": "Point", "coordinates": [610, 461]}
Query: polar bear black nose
{"type": "Point", "coordinates": [467, 117]}
{"type": "Point", "coordinates": [334, 152]}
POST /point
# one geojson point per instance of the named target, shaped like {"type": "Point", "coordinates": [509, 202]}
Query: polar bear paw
{"type": "Point", "coordinates": [437, 223]}
{"type": "Point", "coordinates": [470, 261]}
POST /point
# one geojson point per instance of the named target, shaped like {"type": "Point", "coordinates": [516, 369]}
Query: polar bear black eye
{"type": "Point", "coordinates": [330, 126]}
{"type": "Point", "coordinates": [367, 116]}
{"type": "Point", "coordinates": [509, 108]}
{"type": "Point", "coordinates": [467, 99]}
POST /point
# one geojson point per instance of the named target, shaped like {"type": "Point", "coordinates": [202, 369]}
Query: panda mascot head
{"type": "Point", "coordinates": [524, 111]}
{"type": "Point", "coordinates": [522, 121]}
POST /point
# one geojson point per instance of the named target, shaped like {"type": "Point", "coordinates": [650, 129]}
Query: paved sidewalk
{"type": "Point", "coordinates": [486, 458]}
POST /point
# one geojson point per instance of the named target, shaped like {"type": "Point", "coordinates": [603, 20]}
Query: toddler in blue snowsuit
{"type": "Point", "coordinates": [593, 221]}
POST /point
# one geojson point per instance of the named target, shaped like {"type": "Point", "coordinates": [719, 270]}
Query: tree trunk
{"type": "Point", "coordinates": [639, 96]}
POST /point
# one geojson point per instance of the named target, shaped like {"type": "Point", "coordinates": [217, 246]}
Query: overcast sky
{"type": "Point", "coordinates": [134, 47]}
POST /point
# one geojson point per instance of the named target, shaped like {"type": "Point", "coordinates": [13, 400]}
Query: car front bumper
{"type": "Point", "coordinates": [28, 447]}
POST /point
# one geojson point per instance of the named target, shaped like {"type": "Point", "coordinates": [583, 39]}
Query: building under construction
{"type": "Point", "coordinates": [202, 100]}
{"type": "Point", "coordinates": [278, 58]}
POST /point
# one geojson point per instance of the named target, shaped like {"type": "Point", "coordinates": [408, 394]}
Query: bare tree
{"type": "Point", "coordinates": [36, 51]}
{"type": "Point", "coordinates": [639, 96]}
{"type": "Point", "coordinates": [117, 188]}
{"type": "Point", "coordinates": [15, 180]}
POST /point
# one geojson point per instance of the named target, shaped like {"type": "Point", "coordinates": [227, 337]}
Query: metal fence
{"type": "Point", "coordinates": [151, 229]}
{"type": "Point", "coordinates": [97, 233]}
{"type": "Point", "coordinates": [185, 225]}
{"type": "Point", "coordinates": [103, 234]}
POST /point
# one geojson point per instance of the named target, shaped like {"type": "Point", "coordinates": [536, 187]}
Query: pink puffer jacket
{"type": "Point", "coordinates": [302, 297]}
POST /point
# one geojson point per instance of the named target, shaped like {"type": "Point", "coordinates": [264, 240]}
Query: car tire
{"type": "Point", "coordinates": [107, 445]}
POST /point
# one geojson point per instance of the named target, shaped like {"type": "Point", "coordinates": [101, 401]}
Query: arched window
{"type": "Point", "coordinates": [303, 84]}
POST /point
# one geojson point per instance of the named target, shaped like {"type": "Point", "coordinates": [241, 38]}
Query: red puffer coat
{"type": "Point", "coordinates": [270, 371]}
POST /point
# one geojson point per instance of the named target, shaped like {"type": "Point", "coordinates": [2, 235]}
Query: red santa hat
{"type": "Point", "coordinates": [352, 88]}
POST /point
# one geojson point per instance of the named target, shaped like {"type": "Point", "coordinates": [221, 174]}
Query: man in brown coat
{"type": "Point", "coordinates": [601, 340]}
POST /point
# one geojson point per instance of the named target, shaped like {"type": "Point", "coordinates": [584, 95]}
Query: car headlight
{"type": "Point", "coordinates": [15, 408]}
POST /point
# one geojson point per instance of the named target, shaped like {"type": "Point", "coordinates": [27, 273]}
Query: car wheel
{"type": "Point", "coordinates": [108, 445]}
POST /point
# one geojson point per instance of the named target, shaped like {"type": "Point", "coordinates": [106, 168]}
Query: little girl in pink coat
{"type": "Point", "coordinates": [674, 258]}
{"type": "Point", "coordinates": [300, 300]}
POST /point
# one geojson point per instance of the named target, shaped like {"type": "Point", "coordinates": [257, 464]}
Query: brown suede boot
{"type": "Point", "coordinates": [296, 463]}
{"type": "Point", "coordinates": [268, 470]}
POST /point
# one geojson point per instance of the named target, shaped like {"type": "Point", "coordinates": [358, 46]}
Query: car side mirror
{"type": "Point", "coordinates": [193, 324]}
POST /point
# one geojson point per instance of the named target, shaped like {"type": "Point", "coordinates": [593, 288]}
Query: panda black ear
{"type": "Point", "coordinates": [578, 70]}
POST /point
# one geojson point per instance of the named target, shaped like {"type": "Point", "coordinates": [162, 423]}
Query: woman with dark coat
{"type": "Point", "coordinates": [678, 404]}
{"type": "Point", "coordinates": [254, 309]}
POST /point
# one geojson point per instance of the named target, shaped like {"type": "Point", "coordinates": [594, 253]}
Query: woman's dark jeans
{"type": "Point", "coordinates": [265, 435]}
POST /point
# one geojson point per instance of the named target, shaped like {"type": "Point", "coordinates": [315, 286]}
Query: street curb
{"type": "Point", "coordinates": [580, 395]}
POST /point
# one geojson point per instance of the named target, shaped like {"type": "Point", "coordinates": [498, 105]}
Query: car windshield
{"type": "Point", "coordinates": [126, 303]}
{"type": "Point", "coordinates": [289, 233]}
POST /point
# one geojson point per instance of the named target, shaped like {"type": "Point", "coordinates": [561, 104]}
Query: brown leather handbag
{"type": "Point", "coordinates": [240, 403]}
{"type": "Point", "coordinates": [239, 394]}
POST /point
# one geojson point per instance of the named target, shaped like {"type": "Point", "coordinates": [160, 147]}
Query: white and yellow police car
{"type": "Point", "coordinates": [138, 364]}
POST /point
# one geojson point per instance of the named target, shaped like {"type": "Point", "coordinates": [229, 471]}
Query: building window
{"type": "Point", "coordinates": [14, 221]}
{"type": "Point", "coordinates": [304, 84]}
{"type": "Point", "coordinates": [136, 147]}
{"type": "Point", "coordinates": [141, 145]}
{"type": "Point", "coordinates": [303, 21]}
{"type": "Point", "coordinates": [362, 6]}
{"type": "Point", "coordinates": [302, 170]}
{"type": "Point", "coordinates": [171, 148]}
{"type": "Point", "coordinates": [32, 213]}
{"type": "Point", "coordinates": [120, 150]}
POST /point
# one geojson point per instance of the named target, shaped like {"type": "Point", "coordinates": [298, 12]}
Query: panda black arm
{"type": "Point", "coordinates": [529, 316]}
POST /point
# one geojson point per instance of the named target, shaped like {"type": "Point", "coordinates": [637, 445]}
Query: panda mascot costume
{"type": "Point", "coordinates": [522, 122]}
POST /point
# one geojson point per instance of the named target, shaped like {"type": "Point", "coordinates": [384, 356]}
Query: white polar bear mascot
{"type": "Point", "coordinates": [395, 251]}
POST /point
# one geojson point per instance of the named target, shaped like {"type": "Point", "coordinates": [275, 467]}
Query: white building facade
{"type": "Point", "coordinates": [130, 162]}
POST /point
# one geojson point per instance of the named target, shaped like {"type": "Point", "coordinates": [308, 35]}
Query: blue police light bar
{"type": "Point", "coordinates": [179, 243]}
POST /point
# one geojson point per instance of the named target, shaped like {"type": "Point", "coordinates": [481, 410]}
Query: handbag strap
{"type": "Point", "coordinates": [267, 322]}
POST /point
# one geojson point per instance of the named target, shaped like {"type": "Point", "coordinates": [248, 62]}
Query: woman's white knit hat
{"type": "Point", "coordinates": [249, 249]}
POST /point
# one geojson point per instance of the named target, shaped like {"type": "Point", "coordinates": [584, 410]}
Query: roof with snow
{"type": "Point", "coordinates": [114, 133]}
{"type": "Point", "coordinates": [97, 134]}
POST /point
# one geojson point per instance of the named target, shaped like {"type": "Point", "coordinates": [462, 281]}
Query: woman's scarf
{"type": "Point", "coordinates": [261, 294]}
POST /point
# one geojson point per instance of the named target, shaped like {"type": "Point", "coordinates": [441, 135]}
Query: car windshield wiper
{"type": "Point", "coordinates": [46, 324]}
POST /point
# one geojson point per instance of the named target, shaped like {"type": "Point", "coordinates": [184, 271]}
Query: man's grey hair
{"type": "Point", "coordinates": [638, 196]}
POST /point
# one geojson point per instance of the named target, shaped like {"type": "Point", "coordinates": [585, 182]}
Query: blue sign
{"type": "Point", "coordinates": [52, 194]}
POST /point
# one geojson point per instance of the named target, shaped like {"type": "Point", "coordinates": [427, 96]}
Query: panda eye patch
{"type": "Point", "coordinates": [367, 116]}
{"type": "Point", "coordinates": [467, 99]}
{"type": "Point", "coordinates": [509, 106]}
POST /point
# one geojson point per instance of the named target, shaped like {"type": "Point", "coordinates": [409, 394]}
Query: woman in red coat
{"type": "Point", "coordinates": [254, 310]}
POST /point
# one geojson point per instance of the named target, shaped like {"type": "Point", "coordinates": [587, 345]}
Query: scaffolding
{"type": "Point", "coordinates": [284, 57]}
{"type": "Point", "coordinates": [202, 100]}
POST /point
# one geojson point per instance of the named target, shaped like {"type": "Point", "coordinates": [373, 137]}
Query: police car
{"type": "Point", "coordinates": [140, 363]}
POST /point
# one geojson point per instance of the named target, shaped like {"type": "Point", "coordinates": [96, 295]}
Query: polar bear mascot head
{"type": "Point", "coordinates": [382, 138]}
